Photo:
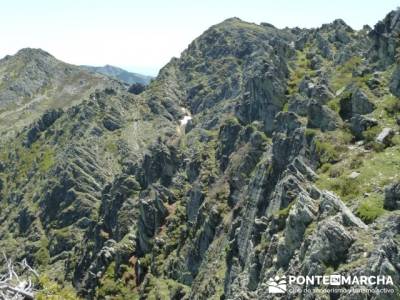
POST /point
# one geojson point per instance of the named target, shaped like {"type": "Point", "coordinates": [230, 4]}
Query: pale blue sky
{"type": "Point", "coordinates": [143, 35]}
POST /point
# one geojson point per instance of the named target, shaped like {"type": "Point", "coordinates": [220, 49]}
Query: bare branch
{"type": "Point", "coordinates": [16, 283]}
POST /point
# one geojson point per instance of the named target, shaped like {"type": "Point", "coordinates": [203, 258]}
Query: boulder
{"type": "Point", "coordinates": [323, 46]}
{"type": "Point", "coordinates": [354, 102]}
{"type": "Point", "coordinates": [330, 244]}
{"type": "Point", "coordinates": [300, 42]}
{"type": "Point", "coordinates": [321, 93]}
{"type": "Point", "coordinates": [286, 122]}
{"type": "Point", "coordinates": [331, 205]}
{"type": "Point", "coordinates": [354, 175]}
{"type": "Point", "coordinates": [359, 124]}
{"type": "Point", "coordinates": [342, 36]}
{"type": "Point", "coordinates": [299, 105]}
{"type": "Point", "coordinates": [303, 212]}
{"type": "Point", "coordinates": [318, 91]}
{"type": "Point", "coordinates": [360, 103]}
{"type": "Point", "coordinates": [320, 116]}
{"type": "Point", "coordinates": [385, 137]}
{"type": "Point", "coordinates": [394, 85]}
{"type": "Point", "coordinates": [315, 62]}
{"type": "Point", "coordinates": [374, 82]}
{"type": "Point", "coordinates": [392, 196]}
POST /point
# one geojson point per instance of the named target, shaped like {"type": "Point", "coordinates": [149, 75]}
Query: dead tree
{"type": "Point", "coordinates": [16, 282]}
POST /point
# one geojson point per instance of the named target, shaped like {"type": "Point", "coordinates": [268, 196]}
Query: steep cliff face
{"type": "Point", "coordinates": [286, 163]}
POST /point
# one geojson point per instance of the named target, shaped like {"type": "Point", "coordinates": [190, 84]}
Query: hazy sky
{"type": "Point", "coordinates": [143, 35]}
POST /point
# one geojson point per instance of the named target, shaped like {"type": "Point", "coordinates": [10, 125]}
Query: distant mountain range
{"type": "Point", "coordinates": [120, 74]}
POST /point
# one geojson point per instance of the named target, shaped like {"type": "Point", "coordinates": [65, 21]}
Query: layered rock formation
{"type": "Point", "coordinates": [279, 171]}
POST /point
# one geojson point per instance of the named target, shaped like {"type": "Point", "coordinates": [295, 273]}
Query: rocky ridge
{"type": "Point", "coordinates": [33, 81]}
{"type": "Point", "coordinates": [287, 166]}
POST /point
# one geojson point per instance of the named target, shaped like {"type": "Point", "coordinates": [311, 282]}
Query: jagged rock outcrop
{"type": "Point", "coordinates": [42, 124]}
{"type": "Point", "coordinates": [318, 91]}
{"type": "Point", "coordinates": [355, 102]}
{"type": "Point", "coordinates": [392, 196]}
{"type": "Point", "coordinates": [281, 169]}
{"type": "Point", "coordinates": [384, 36]}
{"type": "Point", "coordinates": [322, 117]}
{"type": "Point", "coordinates": [395, 82]}
{"type": "Point", "coordinates": [359, 124]}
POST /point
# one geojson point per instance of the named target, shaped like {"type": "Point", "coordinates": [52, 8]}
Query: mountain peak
{"type": "Point", "coordinates": [234, 22]}
{"type": "Point", "coordinates": [33, 80]}
{"type": "Point", "coordinates": [33, 52]}
{"type": "Point", "coordinates": [337, 24]}
{"type": "Point", "coordinates": [232, 19]}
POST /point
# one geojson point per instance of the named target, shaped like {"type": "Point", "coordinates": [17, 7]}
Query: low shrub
{"type": "Point", "coordinates": [326, 152]}
{"type": "Point", "coordinates": [370, 208]}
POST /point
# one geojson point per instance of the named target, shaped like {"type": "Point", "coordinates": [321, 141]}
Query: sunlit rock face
{"type": "Point", "coordinates": [260, 152]}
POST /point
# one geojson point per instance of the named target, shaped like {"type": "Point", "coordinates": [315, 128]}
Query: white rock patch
{"type": "Point", "coordinates": [186, 118]}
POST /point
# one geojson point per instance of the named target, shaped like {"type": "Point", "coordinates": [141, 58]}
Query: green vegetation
{"type": "Point", "coordinates": [311, 133]}
{"type": "Point", "coordinates": [50, 290]}
{"type": "Point", "coordinates": [284, 212]}
{"type": "Point", "coordinates": [38, 160]}
{"type": "Point", "coordinates": [370, 208]}
{"type": "Point", "coordinates": [231, 121]}
{"type": "Point", "coordinates": [42, 256]}
{"type": "Point", "coordinates": [263, 245]}
{"type": "Point", "coordinates": [342, 75]}
{"type": "Point", "coordinates": [113, 286]}
{"type": "Point", "coordinates": [325, 167]}
{"type": "Point", "coordinates": [371, 133]}
{"type": "Point", "coordinates": [329, 146]}
{"type": "Point", "coordinates": [159, 288]}
{"type": "Point", "coordinates": [347, 188]}
{"type": "Point", "coordinates": [299, 69]}
{"type": "Point", "coordinates": [391, 105]}
{"type": "Point", "coordinates": [310, 229]}
{"type": "Point", "coordinates": [326, 152]}
{"type": "Point", "coordinates": [329, 270]}
{"type": "Point", "coordinates": [376, 170]}
{"type": "Point", "coordinates": [334, 104]}
{"type": "Point", "coordinates": [46, 159]}
{"type": "Point", "coordinates": [218, 178]}
{"type": "Point", "coordinates": [111, 146]}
